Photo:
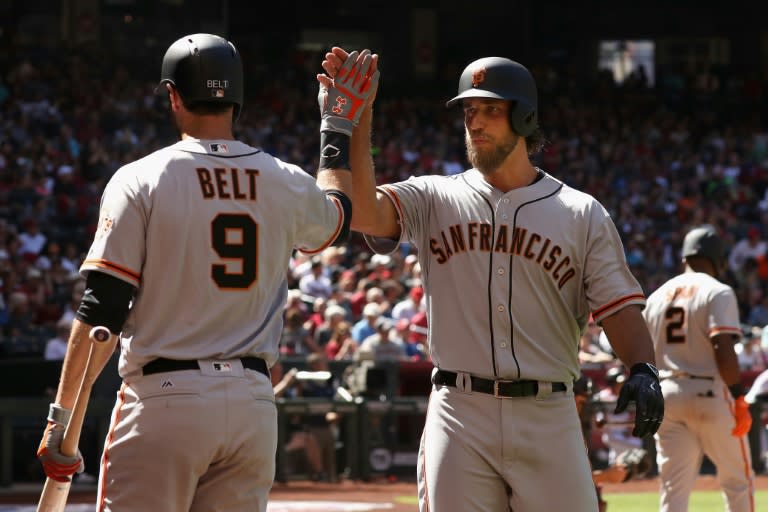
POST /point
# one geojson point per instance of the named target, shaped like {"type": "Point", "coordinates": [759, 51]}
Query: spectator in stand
{"type": "Point", "coordinates": [381, 346]}
{"type": "Point", "coordinates": [332, 316]}
{"type": "Point", "coordinates": [316, 283]}
{"type": "Point", "coordinates": [411, 273]}
{"type": "Point", "coordinates": [296, 339]}
{"type": "Point", "coordinates": [758, 313]}
{"type": "Point", "coordinates": [56, 347]}
{"type": "Point", "coordinates": [32, 241]}
{"type": "Point", "coordinates": [751, 247]}
{"type": "Point", "coordinates": [366, 326]}
{"type": "Point", "coordinates": [617, 435]}
{"type": "Point", "coordinates": [409, 306]}
{"type": "Point", "coordinates": [341, 346]}
{"type": "Point", "coordinates": [317, 316]}
{"type": "Point", "coordinates": [750, 352]}
{"type": "Point", "coordinates": [417, 338]}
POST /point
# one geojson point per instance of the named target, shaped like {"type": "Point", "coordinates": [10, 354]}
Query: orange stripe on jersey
{"type": "Point", "coordinates": [110, 438]}
{"type": "Point", "coordinates": [601, 311]}
{"type": "Point", "coordinates": [395, 200]}
{"type": "Point", "coordinates": [135, 276]}
{"type": "Point", "coordinates": [336, 232]}
{"type": "Point", "coordinates": [724, 330]}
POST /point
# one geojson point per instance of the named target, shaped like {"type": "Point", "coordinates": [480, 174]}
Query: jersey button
{"type": "Point", "coordinates": [503, 344]}
{"type": "Point", "coordinates": [500, 308]}
{"type": "Point", "coordinates": [500, 271]}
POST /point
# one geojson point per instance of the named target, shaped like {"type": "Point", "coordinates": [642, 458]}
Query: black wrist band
{"type": "Point", "coordinates": [646, 368]}
{"type": "Point", "coordinates": [334, 151]}
{"type": "Point", "coordinates": [736, 390]}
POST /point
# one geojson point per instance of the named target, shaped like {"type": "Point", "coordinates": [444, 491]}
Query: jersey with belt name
{"type": "Point", "coordinates": [205, 229]}
{"type": "Point", "coordinates": [512, 277]}
{"type": "Point", "coordinates": [683, 316]}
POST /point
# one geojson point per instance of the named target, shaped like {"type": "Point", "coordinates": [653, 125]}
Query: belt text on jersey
{"type": "Point", "coordinates": [228, 183]}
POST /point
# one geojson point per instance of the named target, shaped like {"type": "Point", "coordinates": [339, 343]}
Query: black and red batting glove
{"type": "Point", "coordinates": [642, 387]}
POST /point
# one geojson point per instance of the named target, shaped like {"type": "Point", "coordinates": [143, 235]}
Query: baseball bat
{"type": "Point", "coordinates": [54, 495]}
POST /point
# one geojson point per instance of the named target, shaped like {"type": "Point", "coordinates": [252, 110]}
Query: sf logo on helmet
{"type": "Point", "coordinates": [478, 77]}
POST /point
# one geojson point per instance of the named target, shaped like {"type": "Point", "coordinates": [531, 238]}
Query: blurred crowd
{"type": "Point", "coordinates": [690, 149]}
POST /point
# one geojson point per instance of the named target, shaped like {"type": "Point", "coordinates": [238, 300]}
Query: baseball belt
{"type": "Point", "coordinates": [162, 365]}
{"type": "Point", "coordinates": [497, 388]}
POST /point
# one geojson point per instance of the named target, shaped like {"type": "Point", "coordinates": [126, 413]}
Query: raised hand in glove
{"type": "Point", "coordinates": [742, 416]}
{"type": "Point", "coordinates": [56, 465]}
{"type": "Point", "coordinates": [642, 387]}
{"type": "Point", "coordinates": [341, 100]}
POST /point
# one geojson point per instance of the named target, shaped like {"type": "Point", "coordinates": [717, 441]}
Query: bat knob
{"type": "Point", "coordinates": [100, 333]}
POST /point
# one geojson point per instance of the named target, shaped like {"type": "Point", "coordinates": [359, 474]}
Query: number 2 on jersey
{"type": "Point", "coordinates": [235, 237]}
{"type": "Point", "coordinates": [675, 317]}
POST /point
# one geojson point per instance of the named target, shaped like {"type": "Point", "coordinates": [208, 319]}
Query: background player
{"type": "Point", "coordinates": [189, 265]}
{"type": "Point", "coordinates": [513, 262]}
{"type": "Point", "coordinates": [694, 321]}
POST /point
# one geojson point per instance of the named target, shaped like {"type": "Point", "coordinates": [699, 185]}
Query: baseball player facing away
{"type": "Point", "coordinates": [189, 266]}
{"type": "Point", "coordinates": [694, 322]}
{"type": "Point", "coordinates": [513, 261]}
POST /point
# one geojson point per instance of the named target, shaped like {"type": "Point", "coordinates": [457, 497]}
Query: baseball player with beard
{"type": "Point", "coordinates": [188, 266]}
{"type": "Point", "coordinates": [514, 262]}
{"type": "Point", "coordinates": [694, 322]}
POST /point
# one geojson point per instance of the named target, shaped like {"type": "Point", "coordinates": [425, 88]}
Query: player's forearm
{"type": "Point", "coordinates": [727, 362]}
{"type": "Point", "coordinates": [335, 179]}
{"type": "Point", "coordinates": [363, 178]}
{"type": "Point", "coordinates": [628, 335]}
{"type": "Point", "coordinates": [74, 364]}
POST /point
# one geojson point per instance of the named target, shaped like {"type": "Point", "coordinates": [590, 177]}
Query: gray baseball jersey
{"type": "Point", "coordinates": [200, 227]}
{"type": "Point", "coordinates": [683, 316]}
{"type": "Point", "coordinates": [510, 279]}
{"type": "Point", "coordinates": [486, 256]}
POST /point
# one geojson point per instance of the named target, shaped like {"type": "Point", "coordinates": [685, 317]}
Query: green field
{"type": "Point", "coordinates": [701, 501]}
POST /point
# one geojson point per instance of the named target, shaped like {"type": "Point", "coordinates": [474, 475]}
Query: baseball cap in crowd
{"type": "Point", "coordinates": [334, 310]}
{"type": "Point", "coordinates": [416, 293]}
{"type": "Point", "coordinates": [371, 309]}
{"type": "Point", "coordinates": [381, 259]}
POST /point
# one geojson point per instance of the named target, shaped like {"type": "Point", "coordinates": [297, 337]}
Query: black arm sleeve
{"type": "Point", "coordinates": [346, 206]}
{"type": "Point", "coordinates": [106, 301]}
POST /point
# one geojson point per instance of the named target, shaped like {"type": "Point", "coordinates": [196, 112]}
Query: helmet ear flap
{"type": "Point", "coordinates": [522, 118]}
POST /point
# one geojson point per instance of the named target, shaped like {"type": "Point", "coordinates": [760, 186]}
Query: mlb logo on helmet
{"type": "Point", "coordinates": [218, 93]}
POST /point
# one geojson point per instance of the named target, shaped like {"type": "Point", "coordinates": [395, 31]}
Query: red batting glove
{"type": "Point", "coordinates": [55, 464]}
{"type": "Point", "coordinates": [742, 416]}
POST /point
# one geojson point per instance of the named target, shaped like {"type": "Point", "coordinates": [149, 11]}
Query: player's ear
{"type": "Point", "coordinates": [173, 97]}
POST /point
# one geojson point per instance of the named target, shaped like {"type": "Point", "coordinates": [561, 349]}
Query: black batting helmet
{"type": "Point", "coordinates": [704, 241]}
{"type": "Point", "coordinates": [204, 68]}
{"type": "Point", "coordinates": [503, 79]}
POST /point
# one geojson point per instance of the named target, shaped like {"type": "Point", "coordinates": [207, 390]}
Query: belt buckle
{"type": "Point", "coordinates": [496, 384]}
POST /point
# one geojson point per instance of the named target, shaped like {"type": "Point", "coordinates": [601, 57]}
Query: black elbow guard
{"type": "Point", "coordinates": [346, 206]}
{"type": "Point", "coordinates": [106, 301]}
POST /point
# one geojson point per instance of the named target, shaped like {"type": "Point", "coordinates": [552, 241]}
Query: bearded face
{"type": "Point", "coordinates": [489, 156]}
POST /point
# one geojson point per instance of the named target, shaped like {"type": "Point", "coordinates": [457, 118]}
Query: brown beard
{"type": "Point", "coordinates": [488, 161]}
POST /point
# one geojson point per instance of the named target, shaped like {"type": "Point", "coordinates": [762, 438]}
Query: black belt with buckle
{"type": "Point", "coordinates": [497, 388]}
{"type": "Point", "coordinates": [162, 365]}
